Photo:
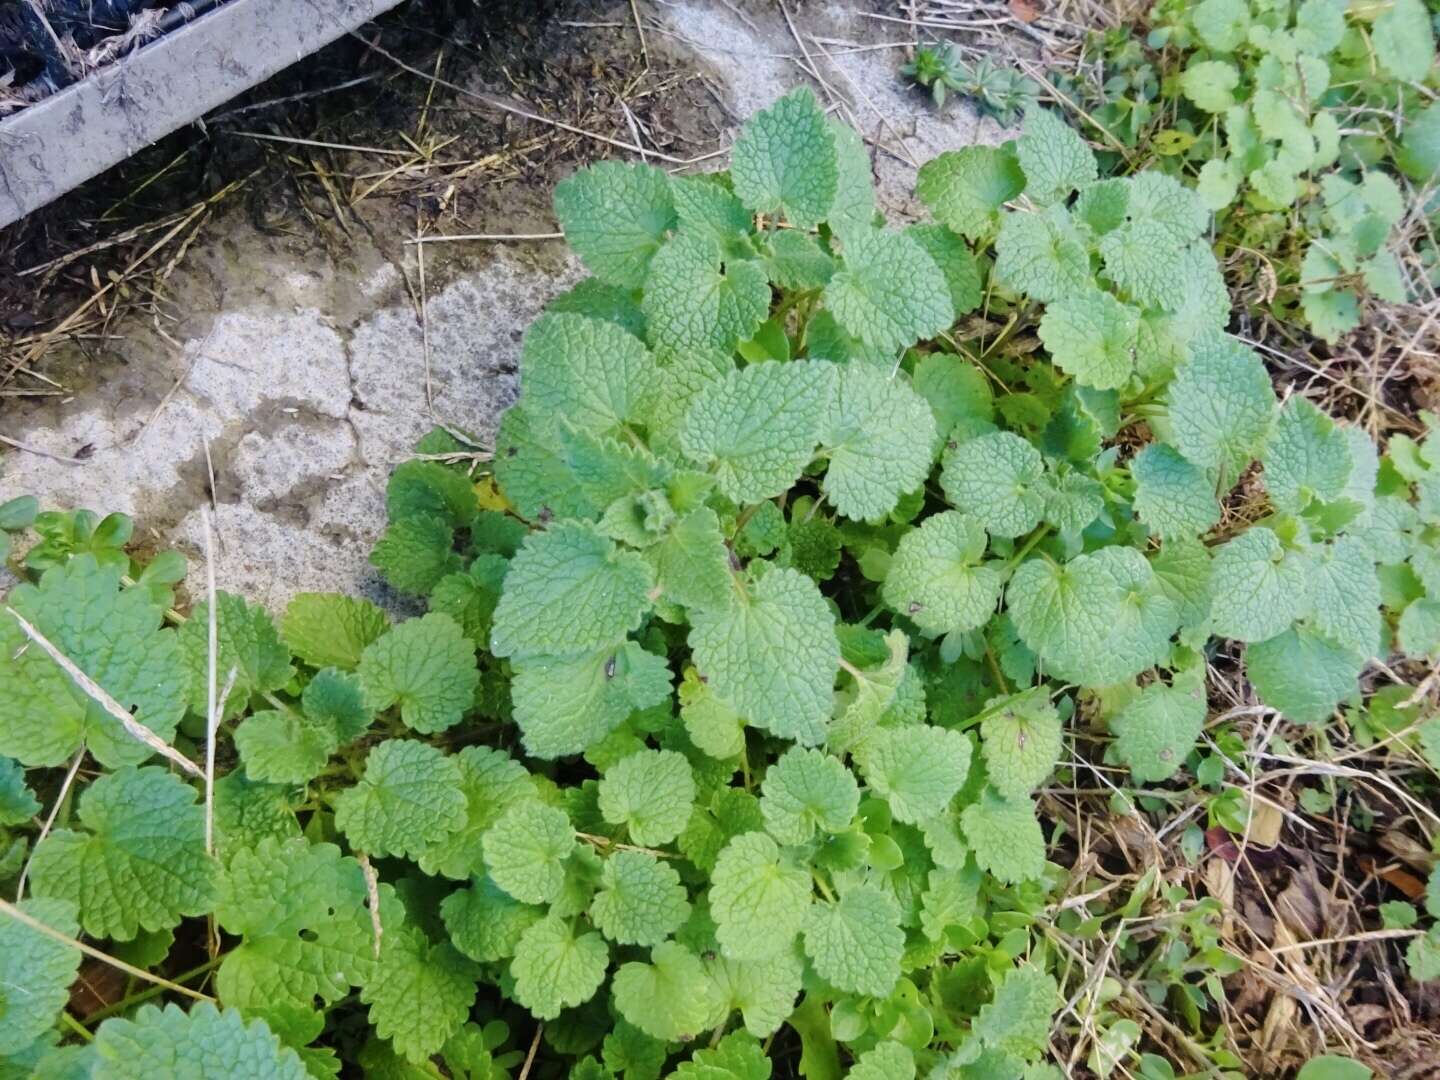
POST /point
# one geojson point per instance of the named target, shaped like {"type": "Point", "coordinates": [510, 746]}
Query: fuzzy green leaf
{"type": "Point", "coordinates": [785, 161]}
{"type": "Point", "coordinates": [878, 433]}
{"type": "Point", "coordinates": [615, 216]}
{"type": "Point", "coordinates": [650, 793]}
{"type": "Point", "coordinates": [758, 898]}
{"type": "Point", "coordinates": [772, 655]}
{"type": "Point", "coordinates": [139, 865]}
{"type": "Point", "coordinates": [408, 799]}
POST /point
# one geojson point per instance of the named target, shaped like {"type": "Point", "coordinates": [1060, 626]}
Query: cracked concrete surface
{"type": "Point", "coordinates": [299, 377]}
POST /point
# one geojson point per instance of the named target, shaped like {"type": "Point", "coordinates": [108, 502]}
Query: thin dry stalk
{"type": "Point", "coordinates": [132, 726]}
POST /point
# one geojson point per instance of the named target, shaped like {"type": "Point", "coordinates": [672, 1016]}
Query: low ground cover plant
{"type": "Point", "coordinates": [1311, 130]}
{"type": "Point", "coordinates": [813, 550]}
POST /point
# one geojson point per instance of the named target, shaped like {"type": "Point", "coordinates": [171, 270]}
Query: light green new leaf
{"type": "Point", "coordinates": [421, 993]}
{"type": "Point", "coordinates": [856, 942]}
{"type": "Point", "coordinates": [1098, 619]}
{"type": "Point", "coordinates": [555, 969]}
{"type": "Point", "coordinates": [139, 865]}
{"type": "Point", "coordinates": [670, 998]}
{"type": "Point", "coordinates": [1173, 496]}
{"type": "Point", "coordinates": [1221, 24]}
{"type": "Point", "coordinates": [331, 630]}
{"type": "Point", "coordinates": [916, 768]}
{"type": "Point", "coordinates": [966, 188]}
{"type": "Point", "coordinates": [854, 204]}
{"type": "Point", "coordinates": [758, 428]}
{"type": "Point", "coordinates": [565, 706]}
{"type": "Point", "coordinates": [569, 591]}
{"type": "Point", "coordinates": [764, 990]}
{"type": "Point", "coordinates": [1303, 674]}
{"type": "Point", "coordinates": [1005, 836]}
{"type": "Point", "coordinates": [1182, 570]}
{"type": "Point", "coordinates": [1092, 337]}
{"type": "Point", "coordinates": [958, 393]}
{"type": "Point", "coordinates": [758, 898]}
{"type": "Point", "coordinates": [492, 782]}
{"type": "Point", "coordinates": [878, 433]}
{"type": "Point", "coordinates": [651, 793]}
{"type": "Point", "coordinates": [692, 565]}
{"type": "Point", "coordinates": [1419, 629]}
{"type": "Point", "coordinates": [531, 473]}
{"type": "Point", "coordinates": [1221, 405]}
{"type": "Point", "coordinates": [995, 479]}
{"type": "Point", "coordinates": [588, 371]}
{"type": "Point", "coordinates": [526, 849]}
{"type": "Point", "coordinates": [772, 655]}
{"type": "Point", "coordinates": [301, 912]}
{"type": "Point", "coordinates": [1306, 457]}
{"type": "Point", "coordinates": [1052, 155]}
{"type": "Point", "coordinates": [1143, 260]}
{"type": "Point", "coordinates": [952, 256]}
{"type": "Point", "coordinates": [35, 972]}
{"type": "Point", "coordinates": [427, 667]}
{"type": "Point", "coordinates": [1017, 1019]}
{"type": "Point", "coordinates": [1258, 588]}
{"type": "Point", "coordinates": [1404, 41]}
{"type": "Point", "coordinates": [284, 747]}
{"type": "Point", "coordinates": [111, 635]}
{"type": "Point", "coordinates": [640, 900]}
{"type": "Point", "coordinates": [1041, 255]}
{"type": "Point", "coordinates": [889, 1060]}
{"type": "Point", "coordinates": [1345, 595]}
{"type": "Point", "coordinates": [797, 261]}
{"type": "Point", "coordinates": [1157, 729]}
{"type": "Point", "coordinates": [1210, 84]}
{"type": "Point", "coordinates": [1021, 743]}
{"type": "Point", "coordinates": [713, 726]}
{"type": "Point", "coordinates": [805, 790]}
{"type": "Point", "coordinates": [785, 161]}
{"type": "Point", "coordinates": [204, 1044]}
{"type": "Point", "coordinates": [889, 292]}
{"type": "Point", "coordinates": [408, 799]}
{"type": "Point", "coordinates": [695, 298]}
{"type": "Point", "coordinates": [615, 216]}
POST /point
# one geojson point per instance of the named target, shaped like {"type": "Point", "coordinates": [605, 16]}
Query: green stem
{"type": "Point", "coordinates": [1035, 538]}
{"type": "Point", "coordinates": [820, 883]}
{"type": "Point", "coordinates": [149, 992]}
{"type": "Point", "coordinates": [74, 1025]}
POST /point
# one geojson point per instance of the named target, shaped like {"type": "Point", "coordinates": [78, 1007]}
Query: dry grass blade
{"type": "Point", "coordinates": [132, 726]}
{"type": "Point", "coordinates": [49, 820]}
{"type": "Point", "coordinates": [7, 908]}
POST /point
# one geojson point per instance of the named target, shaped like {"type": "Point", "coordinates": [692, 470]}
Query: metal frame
{"type": "Point", "coordinates": [64, 140]}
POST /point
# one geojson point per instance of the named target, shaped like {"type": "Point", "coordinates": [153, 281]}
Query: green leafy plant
{"type": "Point", "coordinates": [781, 595]}
{"type": "Point", "coordinates": [1294, 124]}
{"type": "Point", "coordinates": [1001, 92]}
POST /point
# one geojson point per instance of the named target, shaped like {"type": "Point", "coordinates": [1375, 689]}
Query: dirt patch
{"type": "Point", "coordinates": [289, 341]}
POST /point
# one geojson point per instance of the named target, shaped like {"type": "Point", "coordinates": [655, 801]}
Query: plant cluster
{"type": "Point", "coordinates": [1294, 123]}
{"type": "Point", "coordinates": [784, 594]}
{"type": "Point", "coordinates": [998, 91]}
